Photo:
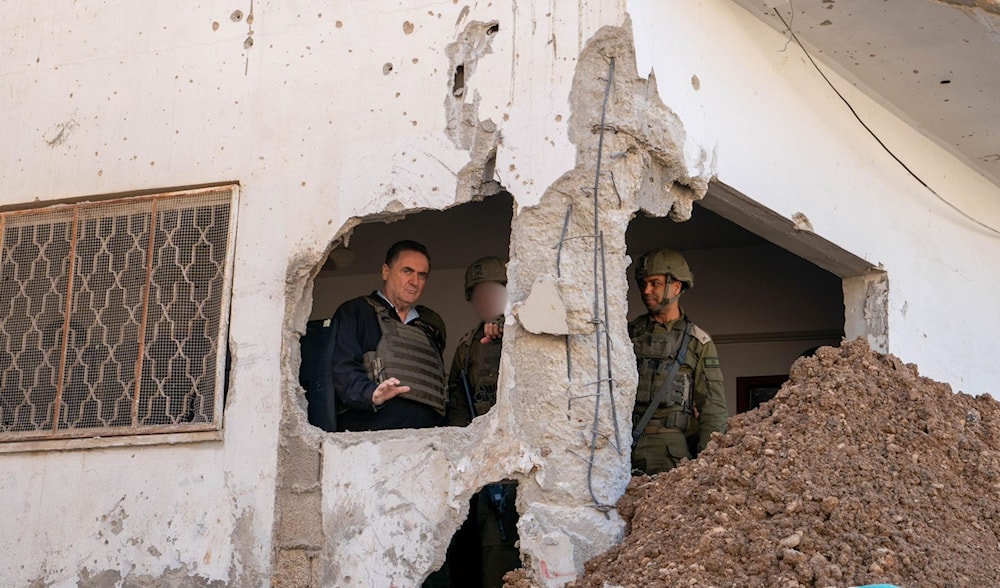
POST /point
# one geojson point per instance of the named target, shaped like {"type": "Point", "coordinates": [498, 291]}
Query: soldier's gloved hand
{"type": "Point", "coordinates": [388, 390]}
{"type": "Point", "coordinates": [494, 332]}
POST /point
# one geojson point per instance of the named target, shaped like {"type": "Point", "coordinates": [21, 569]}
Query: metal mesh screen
{"type": "Point", "coordinates": [113, 316]}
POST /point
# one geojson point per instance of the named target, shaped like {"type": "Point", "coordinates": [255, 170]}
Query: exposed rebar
{"type": "Point", "coordinates": [597, 294]}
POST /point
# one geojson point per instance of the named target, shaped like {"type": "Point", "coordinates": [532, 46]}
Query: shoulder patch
{"type": "Point", "coordinates": [699, 334]}
{"type": "Point", "coordinates": [712, 362]}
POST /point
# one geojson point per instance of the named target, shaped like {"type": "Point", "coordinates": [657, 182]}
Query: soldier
{"type": "Point", "coordinates": [680, 392]}
{"type": "Point", "coordinates": [472, 389]}
{"type": "Point", "coordinates": [388, 370]}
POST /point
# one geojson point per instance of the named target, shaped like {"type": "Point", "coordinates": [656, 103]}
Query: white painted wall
{"type": "Point", "coordinates": [113, 97]}
{"type": "Point", "coordinates": [149, 96]}
{"type": "Point", "coordinates": [780, 136]}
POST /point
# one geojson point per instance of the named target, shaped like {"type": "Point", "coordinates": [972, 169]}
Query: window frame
{"type": "Point", "coordinates": [102, 435]}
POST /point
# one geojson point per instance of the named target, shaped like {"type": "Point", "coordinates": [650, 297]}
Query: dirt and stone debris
{"type": "Point", "coordinates": [860, 471]}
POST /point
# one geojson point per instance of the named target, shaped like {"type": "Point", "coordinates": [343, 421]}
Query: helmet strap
{"type": "Point", "coordinates": [671, 300]}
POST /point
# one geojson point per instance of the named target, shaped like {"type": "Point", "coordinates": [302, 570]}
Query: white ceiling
{"type": "Point", "coordinates": [934, 63]}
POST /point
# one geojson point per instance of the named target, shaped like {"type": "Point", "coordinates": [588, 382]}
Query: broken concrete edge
{"type": "Point", "coordinates": [655, 182]}
{"type": "Point", "coordinates": [543, 311]}
{"type": "Point", "coordinates": [176, 576]}
{"type": "Point", "coordinates": [866, 305]}
{"type": "Point", "coordinates": [970, 6]}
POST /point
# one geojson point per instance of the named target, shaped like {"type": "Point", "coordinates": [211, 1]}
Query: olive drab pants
{"type": "Point", "coordinates": [660, 452]}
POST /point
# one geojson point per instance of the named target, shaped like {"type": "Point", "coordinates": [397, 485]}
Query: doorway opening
{"type": "Point", "coordinates": [766, 290]}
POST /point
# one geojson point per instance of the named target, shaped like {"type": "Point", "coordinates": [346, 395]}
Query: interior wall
{"type": "Point", "coordinates": [444, 294]}
{"type": "Point", "coordinates": [746, 294]}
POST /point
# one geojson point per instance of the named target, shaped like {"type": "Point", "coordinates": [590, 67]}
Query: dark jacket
{"type": "Point", "coordinates": [357, 332]}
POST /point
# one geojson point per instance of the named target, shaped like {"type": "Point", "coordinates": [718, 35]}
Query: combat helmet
{"type": "Point", "coordinates": [665, 262]}
{"type": "Point", "coordinates": [484, 269]}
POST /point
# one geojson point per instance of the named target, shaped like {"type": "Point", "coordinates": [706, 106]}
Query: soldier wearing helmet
{"type": "Point", "coordinates": [680, 393]}
{"type": "Point", "coordinates": [490, 533]}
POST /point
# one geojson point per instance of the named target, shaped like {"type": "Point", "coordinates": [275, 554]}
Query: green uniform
{"type": "Point", "coordinates": [481, 363]}
{"type": "Point", "coordinates": [699, 379]}
{"type": "Point", "coordinates": [494, 506]}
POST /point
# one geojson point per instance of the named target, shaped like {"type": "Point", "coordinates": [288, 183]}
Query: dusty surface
{"type": "Point", "coordinates": [860, 471]}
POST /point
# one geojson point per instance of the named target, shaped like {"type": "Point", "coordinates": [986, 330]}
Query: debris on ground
{"type": "Point", "coordinates": [858, 472]}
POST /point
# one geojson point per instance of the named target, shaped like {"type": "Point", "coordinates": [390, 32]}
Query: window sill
{"type": "Point", "coordinates": [106, 442]}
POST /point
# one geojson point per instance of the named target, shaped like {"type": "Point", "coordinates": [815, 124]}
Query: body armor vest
{"type": "Point", "coordinates": [655, 352]}
{"type": "Point", "coordinates": [405, 352]}
{"type": "Point", "coordinates": [482, 367]}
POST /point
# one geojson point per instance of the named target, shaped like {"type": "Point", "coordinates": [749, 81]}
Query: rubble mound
{"type": "Point", "coordinates": [858, 472]}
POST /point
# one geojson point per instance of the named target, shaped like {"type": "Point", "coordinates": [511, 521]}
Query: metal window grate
{"type": "Point", "coordinates": [113, 315]}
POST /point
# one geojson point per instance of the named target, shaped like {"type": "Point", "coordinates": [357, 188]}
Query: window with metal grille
{"type": "Point", "coordinates": [113, 315]}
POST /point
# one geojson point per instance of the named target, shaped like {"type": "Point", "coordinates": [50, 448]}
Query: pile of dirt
{"type": "Point", "coordinates": [859, 471]}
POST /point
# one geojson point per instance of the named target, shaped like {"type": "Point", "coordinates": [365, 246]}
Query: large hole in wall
{"type": "Point", "coordinates": [763, 305]}
{"type": "Point", "coordinates": [767, 288]}
{"type": "Point", "coordinates": [454, 237]}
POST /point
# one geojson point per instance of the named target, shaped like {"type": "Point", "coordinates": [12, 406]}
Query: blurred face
{"type": "Point", "coordinates": [658, 291]}
{"type": "Point", "coordinates": [403, 282]}
{"type": "Point", "coordinates": [489, 300]}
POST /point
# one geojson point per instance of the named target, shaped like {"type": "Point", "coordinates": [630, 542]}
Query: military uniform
{"type": "Point", "coordinates": [693, 403]}
{"type": "Point", "coordinates": [481, 363]}
{"type": "Point", "coordinates": [493, 508]}
{"type": "Point", "coordinates": [664, 441]}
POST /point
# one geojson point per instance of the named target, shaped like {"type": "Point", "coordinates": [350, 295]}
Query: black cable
{"type": "Point", "coordinates": [872, 133]}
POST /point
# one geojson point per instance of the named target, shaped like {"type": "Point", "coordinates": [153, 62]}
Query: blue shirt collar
{"type": "Point", "coordinates": [410, 316]}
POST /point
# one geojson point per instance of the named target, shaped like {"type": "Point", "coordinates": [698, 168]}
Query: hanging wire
{"type": "Point", "coordinates": [607, 343]}
{"type": "Point", "coordinates": [600, 313]}
{"type": "Point", "coordinates": [598, 330]}
{"type": "Point", "coordinates": [788, 26]}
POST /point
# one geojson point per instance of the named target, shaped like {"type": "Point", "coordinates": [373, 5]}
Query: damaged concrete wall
{"type": "Point", "coordinates": [392, 500]}
{"type": "Point", "coordinates": [783, 138]}
{"type": "Point", "coordinates": [255, 93]}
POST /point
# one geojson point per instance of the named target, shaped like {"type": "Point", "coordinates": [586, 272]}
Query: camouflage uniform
{"type": "Point", "coordinates": [493, 508]}
{"type": "Point", "coordinates": [482, 364]}
{"type": "Point", "coordinates": [694, 405]}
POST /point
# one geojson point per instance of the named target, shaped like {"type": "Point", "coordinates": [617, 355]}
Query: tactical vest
{"type": "Point", "coordinates": [482, 365]}
{"type": "Point", "coordinates": [405, 352]}
{"type": "Point", "coordinates": [655, 352]}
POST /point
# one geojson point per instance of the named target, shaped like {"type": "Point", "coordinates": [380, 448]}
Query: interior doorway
{"type": "Point", "coordinates": [766, 291]}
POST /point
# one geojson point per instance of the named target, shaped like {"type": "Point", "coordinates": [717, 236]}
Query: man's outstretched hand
{"type": "Point", "coordinates": [388, 390]}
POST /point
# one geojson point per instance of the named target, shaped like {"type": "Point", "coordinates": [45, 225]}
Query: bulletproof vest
{"type": "Point", "coordinates": [405, 352]}
{"type": "Point", "coordinates": [655, 351]}
{"type": "Point", "coordinates": [483, 369]}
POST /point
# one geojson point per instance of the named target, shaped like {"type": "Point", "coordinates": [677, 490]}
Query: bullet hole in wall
{"type": "Point", "coordinates": [458, 84]}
